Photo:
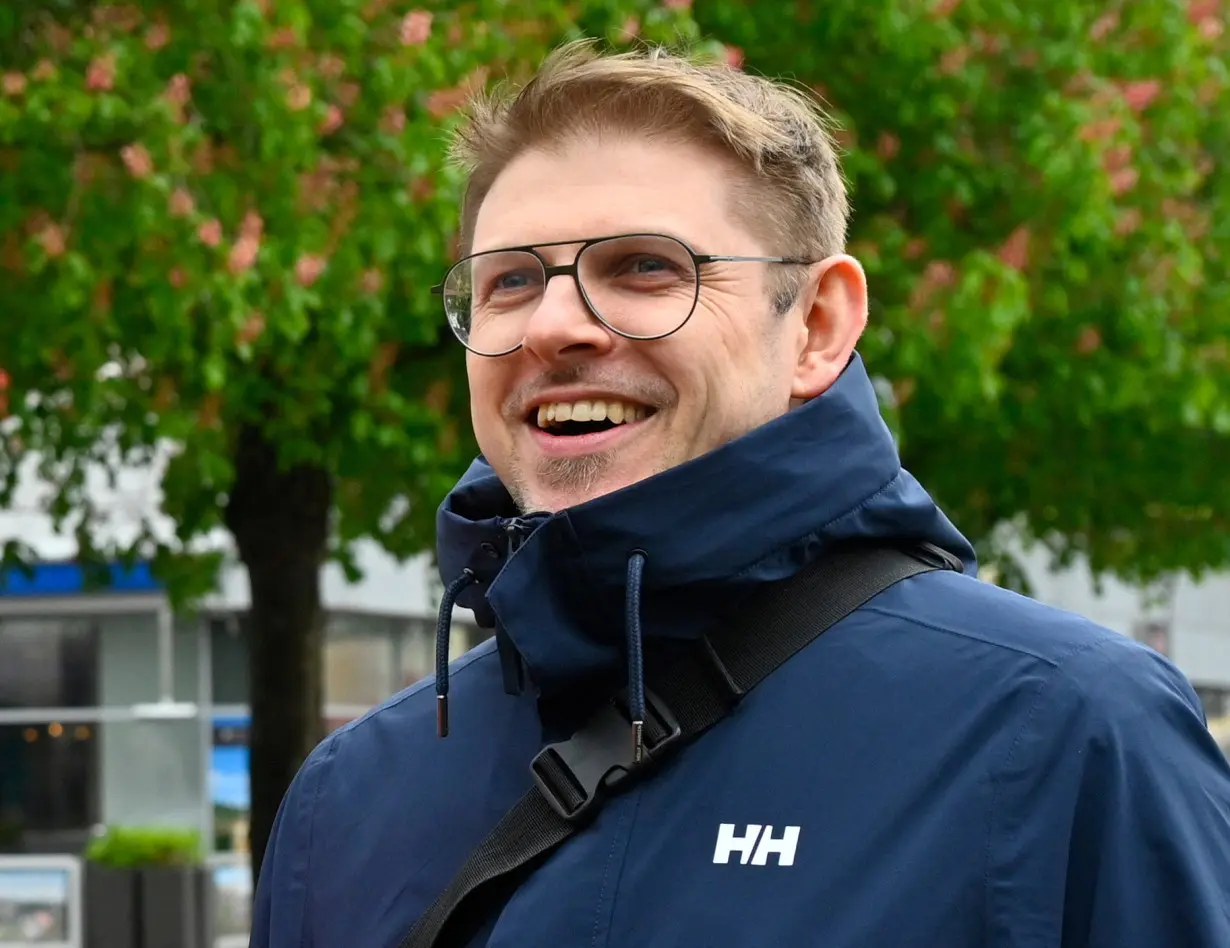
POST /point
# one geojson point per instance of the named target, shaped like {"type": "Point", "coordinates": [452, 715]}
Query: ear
{"type": "Point", "coordinates": [834, 315]}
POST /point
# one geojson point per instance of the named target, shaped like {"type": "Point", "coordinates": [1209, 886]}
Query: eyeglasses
{"type": "Point", "coordinates": [640, 286]}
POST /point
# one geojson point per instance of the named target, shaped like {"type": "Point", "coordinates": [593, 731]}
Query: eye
{"type": "Point", "coordinates": [516, 280]}
{"type": "Point", "coordinates": [647, 266]}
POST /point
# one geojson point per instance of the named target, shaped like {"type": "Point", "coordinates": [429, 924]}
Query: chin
{"type": "Point", "coordinates": [581, 486]}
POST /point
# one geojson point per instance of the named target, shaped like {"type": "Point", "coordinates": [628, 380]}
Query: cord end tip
{"type": "Point", "coordinates": [442, 715]}
{"type": "Point", "coordinates": [638, 741]}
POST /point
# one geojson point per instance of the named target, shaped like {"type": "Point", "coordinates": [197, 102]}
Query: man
{"type": "Point", "coordinates": [661, 325]}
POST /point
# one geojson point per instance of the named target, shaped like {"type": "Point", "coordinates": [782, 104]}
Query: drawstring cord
{"type": "Point", "coordinates": [632, 630]}
{"type": "Point", "coordinates": [444, 625]}
{"type": "Point", "coordinates": [636, 657]}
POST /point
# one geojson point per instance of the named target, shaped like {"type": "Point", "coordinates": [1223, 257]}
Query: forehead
{"type": "Point", "coordinates": [598, 187]}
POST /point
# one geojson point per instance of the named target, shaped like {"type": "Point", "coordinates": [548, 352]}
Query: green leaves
{"type": "Point", "coordinates": [220, 215]}
{"type": "Point", "coordinates": [214, 216]}
{"type": "Point", "coordinates": [1041, 197]}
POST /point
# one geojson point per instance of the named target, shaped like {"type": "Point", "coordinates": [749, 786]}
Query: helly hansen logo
{"type": "Point", "coordinates": [756, 844]}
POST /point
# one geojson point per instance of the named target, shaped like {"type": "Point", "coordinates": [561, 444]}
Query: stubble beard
{"type": "Point", "coordinates": [569, 476]}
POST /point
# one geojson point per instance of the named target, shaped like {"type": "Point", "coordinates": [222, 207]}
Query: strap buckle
{"type": "Point", "coordinates": [574, 775]}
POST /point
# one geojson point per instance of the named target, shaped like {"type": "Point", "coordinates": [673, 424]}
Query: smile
{"type": "Point", "coordinates": [585, 426]}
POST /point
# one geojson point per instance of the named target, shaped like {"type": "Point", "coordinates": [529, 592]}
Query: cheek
{"type": "Point", "coordinates": [486, 392]}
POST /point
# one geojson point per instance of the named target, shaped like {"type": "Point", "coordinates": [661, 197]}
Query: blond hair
{"type": "Point", "coordinates": [788, 187]}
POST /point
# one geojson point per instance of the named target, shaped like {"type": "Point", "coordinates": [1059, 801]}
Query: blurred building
{"type": "Point", "coordinates": [114, 711]}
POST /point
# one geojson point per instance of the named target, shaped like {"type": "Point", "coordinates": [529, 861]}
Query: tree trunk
{"type": "Point", "coordinates": [280, 521]}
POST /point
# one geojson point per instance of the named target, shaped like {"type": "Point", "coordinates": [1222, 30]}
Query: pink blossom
{"type": "Point", "coordinates": [1015, 250]}
{"type": "Point", "coordinates": [677, 4]}
{"type": "Point", "coordinates": [332, 121]}
{"type": "Point", "coordinates": [53, 240]}
{"type": "Point", "coordinates": [252, 329]}
{"type": "Point", "coordinates": [243, 254]}
{"type": "Point", "coordinates": [299, 97]}
{"type": "Point", "coordinates": [1200, 10]}
{"type": "Point", "coordinates": [157, 36]}
{"type": "Point", "coordinates": [1124, 180]}
{"type": "Point", "coordinates": [45, 69]}
{"type": "Point", "coordinates": [282, 38]}
{"type": "Point", "coordinates": [1089, 340]}
{"type": "Point", "coordinates": [954, 60]}
{"type": "Point", "coordinates": [393, 121]}
{"type": "Point", "coordinates": [1101, 130]}
{"type": "Point", "coordinates": [210, 232]}
{"type": "Point", "coordinates": [734, 57]}
{"type": "Point", "coordinates": [945, 7]}
{"type": "Point", "coordinates": [1104, 25]}
{"type": "Point", "coordinates": [1129, 222]}
{"type": "Point", "coordinates": [180, 203]}
{"type": "Point", "coordinates": [1211, 28]}
{"type": "Point", "coordinates": [179, 89]}
{"type": "Point", "coordinates": [1141, 93]}
{"type": "Point", "coordinates": [331, 66]}
{"type": "Point", "coordinates": [631, 27]}
{"type": "Point", "coordinates": [308, 269]}
{"type": "Point", "coordinates": [100, 76]}
{"type": "Point", "coordinates": [137, 160]}
{"type": "Point", "coordinates": [372, 280]}
{"type": "Point", "coordinates": [253, 225]}
{"type": "Point", "coordinates": [13, 83]}
{"type": "Point", "coordinates": [416, 28]}
{"type": "Point", "coordinates": [348, 93]}
{"type": "Point", "coordinates": [888, 145]}
{"type": "Point", "coordinates": [176, 277]}
{"type": "Point", "coordinates": [1117, 157]}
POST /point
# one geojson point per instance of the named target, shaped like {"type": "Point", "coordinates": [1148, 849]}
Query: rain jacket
{"type": "Point", "coordinates": [950, 766]}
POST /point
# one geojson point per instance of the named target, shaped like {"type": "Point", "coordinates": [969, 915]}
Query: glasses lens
{"type": "Point", "coordinates": [641, 286]}
{"type": "Point", "coordinates": [489, 297]}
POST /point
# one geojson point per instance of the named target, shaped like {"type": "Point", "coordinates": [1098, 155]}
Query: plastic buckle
{"type": "Point", "coordinates": [597, 759]}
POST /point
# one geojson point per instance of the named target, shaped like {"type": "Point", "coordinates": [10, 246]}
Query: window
{"type": "Point", "coordinates": [48, 785]}
{"type": "Point", "coordinates": [48, 663]}
{"type": "Point", "coordinates": [359, 660]}
{"type": "Point", "coordinates": [228, 656]}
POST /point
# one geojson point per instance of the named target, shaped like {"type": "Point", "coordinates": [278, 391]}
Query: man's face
{"type": "Point", "coordinates": [733, 366]}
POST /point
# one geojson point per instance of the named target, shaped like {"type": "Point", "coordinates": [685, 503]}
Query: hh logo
{"type": "Point", "coordinates": [755, 845]}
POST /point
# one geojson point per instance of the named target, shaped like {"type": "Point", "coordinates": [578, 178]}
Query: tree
{"type": "Point", "coordinates": [1042, 202]}
{"type": "Point", "coordinates": [219, 222]}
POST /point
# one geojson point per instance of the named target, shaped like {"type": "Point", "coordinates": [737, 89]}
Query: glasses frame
{"type": "Point", "coordinates": [573, 270]}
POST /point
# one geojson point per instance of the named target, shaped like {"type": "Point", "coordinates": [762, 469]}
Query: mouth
{"type": "Point", "coordinates": [587, 420]}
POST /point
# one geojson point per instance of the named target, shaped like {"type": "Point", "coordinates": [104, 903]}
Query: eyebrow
{"type": "Point", "coordinates": [655, 232]}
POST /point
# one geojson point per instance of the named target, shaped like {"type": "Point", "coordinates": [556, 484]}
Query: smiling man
{"type": "Point", "coordinates": [685, 481]}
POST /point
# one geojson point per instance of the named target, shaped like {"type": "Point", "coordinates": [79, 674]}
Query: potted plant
{"type": "Point", "coordinates": [146, 887]}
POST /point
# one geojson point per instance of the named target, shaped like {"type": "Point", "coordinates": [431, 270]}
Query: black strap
{"type": "Point", "coordinates": [687, 695]}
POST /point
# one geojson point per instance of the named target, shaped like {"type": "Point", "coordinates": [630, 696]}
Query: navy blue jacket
{"type": "Point", "coordinates": [951, 766]}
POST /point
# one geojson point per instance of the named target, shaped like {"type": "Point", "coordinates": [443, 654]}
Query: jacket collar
{"type": "Point", "coordinates": [752, 511]}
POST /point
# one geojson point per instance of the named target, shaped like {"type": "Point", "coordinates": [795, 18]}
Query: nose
{"type": "Point", "coordinates": [562, 327]}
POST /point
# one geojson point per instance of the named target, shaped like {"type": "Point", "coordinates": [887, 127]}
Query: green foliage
{"type": "Point", "coordinates": [225, 215]}
{"type": "Point", "coordinates": [1042, 203]}
{"type": "Point", "coordinates": [137, 847]}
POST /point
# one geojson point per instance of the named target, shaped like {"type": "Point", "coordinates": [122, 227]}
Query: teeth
{"type": "Point", "coordinates": [589, 410]}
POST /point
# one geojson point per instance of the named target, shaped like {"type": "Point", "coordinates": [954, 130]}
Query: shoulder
{"type": "Point", "coordinates": [1076, 671]}
{"type": "Point", "coordinates": [965, 610]}
{"type": "Point", "coordinates": [401, 729]}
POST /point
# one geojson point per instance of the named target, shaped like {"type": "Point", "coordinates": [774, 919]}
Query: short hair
{"type": "Point", "coordinates": [789, 189]}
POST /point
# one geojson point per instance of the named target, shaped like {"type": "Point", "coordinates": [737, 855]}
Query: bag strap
{"type": "Point", "coordinates": [689, 694]}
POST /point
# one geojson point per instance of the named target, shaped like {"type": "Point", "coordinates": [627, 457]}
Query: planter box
{"type": "Point", "coordinates": [112, 907]}
{"type": "Point", "coordinates": [163, 907]}
{"type": "Point", "coordinates": [174, 907]}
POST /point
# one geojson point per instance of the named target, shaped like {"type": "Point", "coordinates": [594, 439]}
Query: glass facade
{"type": "Point", "coordinates": [84, 741]}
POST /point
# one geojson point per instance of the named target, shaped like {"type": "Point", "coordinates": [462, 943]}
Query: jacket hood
{"type": "Point", "coordinates": [754, 510]}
